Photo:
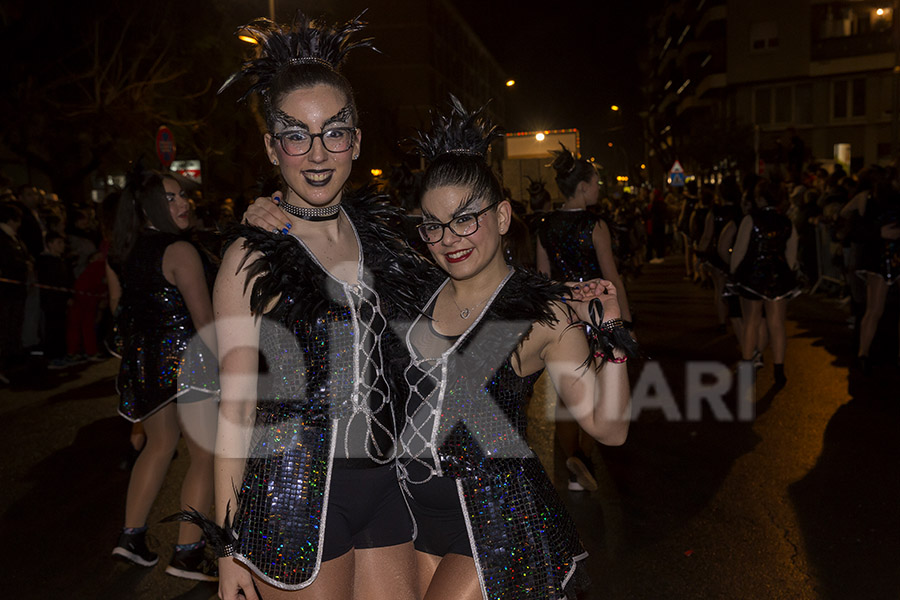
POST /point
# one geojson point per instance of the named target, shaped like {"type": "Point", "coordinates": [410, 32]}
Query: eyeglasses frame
{"type": "Point", "coordinates": [313, 136]}
{"type": "Point", "coordinates": [446, 226]}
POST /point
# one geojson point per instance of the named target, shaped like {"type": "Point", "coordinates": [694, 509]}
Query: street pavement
{"type": "Point", "coordinates": [800, 501]}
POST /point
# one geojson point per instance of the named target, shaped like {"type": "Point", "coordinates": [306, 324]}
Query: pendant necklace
{"type": "Point", "coordinates": [465, 312]}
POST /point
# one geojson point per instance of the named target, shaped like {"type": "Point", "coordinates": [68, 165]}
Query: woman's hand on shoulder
{"type": "Point", "coordinates": [265, 213]}
{"type": "Point", "coordinates": [595, 289]}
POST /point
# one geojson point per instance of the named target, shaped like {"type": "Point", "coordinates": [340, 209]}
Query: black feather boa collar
{"type": "Point", "coordinates": [285, 270]}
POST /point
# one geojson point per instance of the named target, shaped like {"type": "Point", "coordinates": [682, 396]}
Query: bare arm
{"type": "Point", "coordinates": [708, 228]}
{"type": "Point", "coordinates": [114, 287]}
{"type": "Point", "coordinates": [599, 400]}
{"type": "Point", "coordinates": [790, 252]}
{"type": "Point", "coordinates": [741, 242]}
{"type": "Point", "coordinates": [603, 248]}
{"type": "Point", "coordinates": [542, 260]}
{"type": "Point", "coordinates": [238, 339]}
{"type": "Point", "coordinates": [182, 266]}
{"type": "Point", "coordinates": [726, 238]}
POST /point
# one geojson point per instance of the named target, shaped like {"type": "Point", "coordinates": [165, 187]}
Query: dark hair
{"type": "Point", "coordinates": [729, 190]}
{"type": "Point", "coordinates": [52, 236]}
{"type": "Point", "coordinates": [9, 212]}
{"type": "Point", "coordinates": [455, 150]}
{"type": "Point", "coordinates": [142, 202]}
{"type": "Point", "coordinates": [570, 171]}
{"type": "Point", "coordinates": [302, 55]}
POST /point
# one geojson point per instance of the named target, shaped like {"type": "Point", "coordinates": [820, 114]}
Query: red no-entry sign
{"type": "Point", "coordinates": [165, 146]}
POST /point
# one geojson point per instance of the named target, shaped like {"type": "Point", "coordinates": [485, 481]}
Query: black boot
{"type": "Point", "coordinates": [780, 379]}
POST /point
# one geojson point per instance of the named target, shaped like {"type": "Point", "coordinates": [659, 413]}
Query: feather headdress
{"type": "Point", "coordinates": [563, 160]}
{"type": "Point", "coordinates": [304, 42]}
{"type": "Point", "coordinates": [457, 132]}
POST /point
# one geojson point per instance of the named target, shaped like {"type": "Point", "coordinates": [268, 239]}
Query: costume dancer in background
{"type": "Point", "coordinates": [165, 304]}
{"type": "Point", "coordinates": [574, 245]}
{"type": "Point", "coordinates": [489, 522]}
{"type": "Point", "coordinates": [764, 264]}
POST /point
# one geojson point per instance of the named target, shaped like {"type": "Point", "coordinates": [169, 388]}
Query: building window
{"type": "Point", "coordinates": [783, 103]}
{"type": "Point", "coordinates": [763, 36]}
{"type": "Point", "coordinates": [763, 106]}
{"type": "Point", "coordinates": [858, 91]}
{"type": "Point", "coordinates": [848, 98]}
{"type": "Point", "coordinates": [803, 104]}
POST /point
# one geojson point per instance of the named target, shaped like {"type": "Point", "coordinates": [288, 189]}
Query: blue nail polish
{"type": "Point", "coordinates": [277, 199]}
{"type": "Point", "coordinates": [284, 231]}
{"type": "Point", "coordinates": [288, 225]}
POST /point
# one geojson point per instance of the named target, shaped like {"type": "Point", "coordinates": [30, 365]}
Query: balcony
{"type": "Point", "coordinates": [712, 15]}
{"type": "Point", "coordinates": [850, 46]}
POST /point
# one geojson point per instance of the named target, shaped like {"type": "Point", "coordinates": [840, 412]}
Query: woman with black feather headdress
{"type": "Point", "coordinates": [489, 522]}
{"type": "Point", "coordinates": [305, 457]}
{"type": "Point", "coordinates": [575, 244]}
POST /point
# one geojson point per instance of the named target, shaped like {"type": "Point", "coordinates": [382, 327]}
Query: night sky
{"type": "Point", "coordinates": [570, 63]}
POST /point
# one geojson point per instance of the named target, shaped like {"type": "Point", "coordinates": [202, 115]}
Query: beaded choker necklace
{"type": "Point", "coordinates": [322, 213]}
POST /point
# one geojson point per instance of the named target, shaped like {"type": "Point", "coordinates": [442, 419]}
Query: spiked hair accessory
{"type": "Point", "coordinates": [563, 161]}
{"type": "Point", "coordinates": [304, 42]}
{"type": "Point", "coordinates": [457, 132]}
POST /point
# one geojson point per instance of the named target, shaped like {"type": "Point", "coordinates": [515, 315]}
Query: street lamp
{"type": "Point", "coordinates": [510, 83]}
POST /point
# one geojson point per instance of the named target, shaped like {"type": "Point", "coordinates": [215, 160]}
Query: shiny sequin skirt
{"type": "Point", "coordinates": [886, 263]}
{"type": "Point", "coordinates": [526, 542]}
{"type": "Point", "coordinates": [156, 369]}
{"type": "Point", "coordinates": [281, 502]}
{"type": "Point", "coordinates": [766, 280]}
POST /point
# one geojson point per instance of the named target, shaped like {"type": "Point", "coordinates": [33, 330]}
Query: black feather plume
{"type": "Point", "coordinates": [304, 40]}
{"type": "Point", "coordinates": [456, 132]}
{"type": "Point", "coordinates": [217, 538]}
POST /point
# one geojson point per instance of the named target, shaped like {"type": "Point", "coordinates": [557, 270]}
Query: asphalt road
{"type": "Point", "coordinates": [800, 501]}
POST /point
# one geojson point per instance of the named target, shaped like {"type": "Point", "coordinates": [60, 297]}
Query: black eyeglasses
{"type": "Point", "coordinates": [461, 225]}
{"type": "Point", "coordinates": [297, 142]}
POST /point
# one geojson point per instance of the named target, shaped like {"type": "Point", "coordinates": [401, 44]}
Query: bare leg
{"type": "Point", "coordinates": [752, 311]}
{"type": "Point", "coordinates": [455, 578]}
{"type": "Point", "coordinates": [876, 294]}
{"type": "Point", "coordinates": [138, 438]}
{"type": "Point", "coordinates": [334, 582]}
{"type": "Point", "coordinates": [775, 316]}
{"type": "Point", "coordinates": [566, 430]}
{"type": "Point", "coordinates": [152, 464]}
{"type": "Point", "coordinates": [198, 422]}
{"type": "Point", "coordinates": [387, 573]}
{"type": "Point", "coordinates": [721, 304]}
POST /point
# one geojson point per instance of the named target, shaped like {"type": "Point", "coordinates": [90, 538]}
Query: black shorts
{"type": "Point", "coordinates": [440, 525]}
{"type": "Point", "coordinates": [365, 510]}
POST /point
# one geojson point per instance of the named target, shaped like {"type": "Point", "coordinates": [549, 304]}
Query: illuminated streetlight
{"type": "Point", "coordinates": [614, 108]}
{"type": "Point", "coordinates": [539, 137]}
{"type": "Point", "coordinates": [610, 144]}
{"type": "Point", "coordinates": [880, 12]}
{"type": "Point", "coordinates": [376, 172]}
{"type": "Point", "coordinates": [511, 83]}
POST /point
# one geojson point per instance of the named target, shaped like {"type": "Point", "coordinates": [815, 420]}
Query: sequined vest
{"type": "Point", "coordinates": [567, 237]}
{"type": "Point", "coordinates": [328, 356]}
{"type": "Point", "coordinates": [525, 543]}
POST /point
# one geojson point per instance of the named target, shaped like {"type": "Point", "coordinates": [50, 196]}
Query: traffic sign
{"type": "Point", "coordinates": [677, 168]}
{"type": "Point", "coordinates": [165, 146]}
{"type": "Point", "coordinates": [677, 179]}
